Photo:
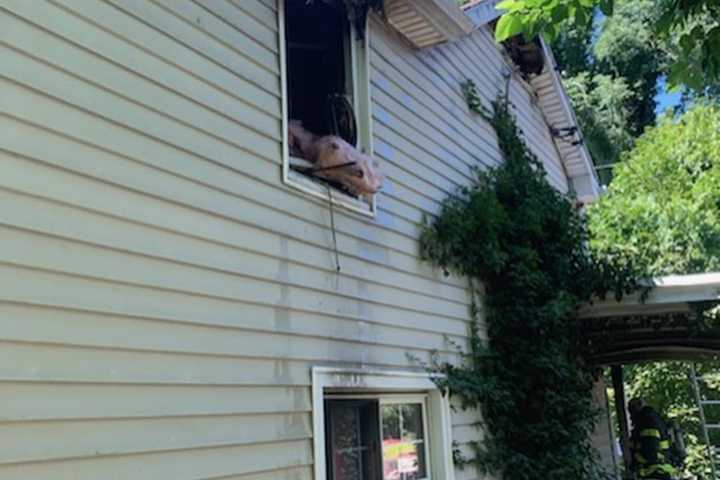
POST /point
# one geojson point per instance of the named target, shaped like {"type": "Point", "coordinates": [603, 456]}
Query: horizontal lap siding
{"type": "Point", "coordinates": [427, 138]}
{"type": "Point", "coordinates": [163, 294]}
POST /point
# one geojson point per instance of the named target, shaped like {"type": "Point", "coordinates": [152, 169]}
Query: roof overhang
{"type": "Point", "coordinates": [482, 11]}
{"type": "Point", "coordinates": [669, 318]}
{"type": "Point", "coordinates": [428, 22]}
{"type": "Point", "coordinates": [557, 110]}
{"type": "Point", "coordinates": [565, 129]}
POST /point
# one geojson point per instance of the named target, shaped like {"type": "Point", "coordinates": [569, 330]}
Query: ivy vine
{"type": "Point", "coordinates": [525, 243]}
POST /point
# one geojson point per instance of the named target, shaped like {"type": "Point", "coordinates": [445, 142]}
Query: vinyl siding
{"type": "Point", "coordinates": [162, 294]}
{"type": "Point", "coordinates": [425, 132]}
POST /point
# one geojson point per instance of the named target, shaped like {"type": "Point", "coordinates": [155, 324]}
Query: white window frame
{"type": "Point", "coordinates": [360, 66]}
{"type": "Point", "coordinates": [388, 387]}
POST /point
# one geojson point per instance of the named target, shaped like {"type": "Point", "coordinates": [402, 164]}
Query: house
{"type": "Point", "coordinates": [179, 300]}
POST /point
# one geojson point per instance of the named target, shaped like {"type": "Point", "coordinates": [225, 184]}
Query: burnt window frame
{"type": "Point", "coordinates": [358, 76]}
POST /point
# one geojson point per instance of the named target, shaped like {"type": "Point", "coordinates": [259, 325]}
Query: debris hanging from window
{"type": "Point", "coordinates": [334, 159]}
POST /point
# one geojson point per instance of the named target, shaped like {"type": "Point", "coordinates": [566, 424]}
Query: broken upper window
{"type": "Point", "coordinates": [327, 95]}
{"type": "Point", "coordinates": [318, 66]}
{"type": "Point", "coordinates": [527, 55]}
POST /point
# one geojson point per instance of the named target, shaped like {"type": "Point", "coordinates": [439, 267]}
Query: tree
{"type": "Point", "coordinates": [611, 68]}
{"type": "Point", "coordinates": [695, 24]}
{"type": "Point", "coordinates": [626, 49]}
{"type": "Point", "coordinates": [663, 211]}
{"type": "Point", "coordinates": [663, 207]}
{"type": "Point", "coordinates": [666, 386]}
{"type": "Point", "coordinates": [601, 106]}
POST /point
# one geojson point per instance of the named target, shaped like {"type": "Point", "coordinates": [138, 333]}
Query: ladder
{"type": "Point", "coordinates": [713, 451]}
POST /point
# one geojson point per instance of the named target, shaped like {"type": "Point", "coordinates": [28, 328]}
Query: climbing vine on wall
{"type": "Point", "coordinates": [525, 243]}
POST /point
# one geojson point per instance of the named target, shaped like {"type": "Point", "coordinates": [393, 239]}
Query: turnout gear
{"type": "Point", "coordinates": [650, 444]}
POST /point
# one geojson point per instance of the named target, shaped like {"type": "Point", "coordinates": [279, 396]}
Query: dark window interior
{"type": "Point", "coordinates": [316, 62]}
{"type": "Point", "coordinates": [353, 440]}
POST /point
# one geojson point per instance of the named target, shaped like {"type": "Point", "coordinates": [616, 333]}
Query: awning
{"type": "Point", "coordinates": [671, 318]}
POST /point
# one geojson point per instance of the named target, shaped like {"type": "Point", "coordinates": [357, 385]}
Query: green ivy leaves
{"type": "Point", "coordinates": [525, 243]}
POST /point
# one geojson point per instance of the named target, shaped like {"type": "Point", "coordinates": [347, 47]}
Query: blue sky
{"type": "Point", "coordinates": [665, 99]}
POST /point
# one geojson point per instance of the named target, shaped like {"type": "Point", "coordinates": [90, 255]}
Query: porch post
{"type": "Point", "coordinates": [619, 389]}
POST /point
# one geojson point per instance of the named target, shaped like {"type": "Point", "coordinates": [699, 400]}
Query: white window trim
{"type": "Point", "coordinates": [360, 61]}
{"type": "Point", "coordinates": [438, 433]}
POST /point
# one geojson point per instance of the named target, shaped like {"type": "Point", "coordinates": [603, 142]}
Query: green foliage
{"type": "Point", "coordinates": [666, 386]}
{"type": "Point", "coordinates": [697, 22]}
{"type": "Point", "coordinates": [601, 106]}
{"type": "Point", "coordinates": [626, 50]}
{"type": "Point", "coordinates": [663, 207]}
{"type": "Point", "coordinates": [525, 243]}
{"type": "Point", "coordinates": [612, 80]}
{"type": "Point", "coordinates": [572, 48]}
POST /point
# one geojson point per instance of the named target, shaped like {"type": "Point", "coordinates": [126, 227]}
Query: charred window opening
{"type": "Point", "coordinates": [326, 80]}
{"type": "Point", "coordinates": [318, 63]}
{"type": "Point", "coordinates": [528, 55]}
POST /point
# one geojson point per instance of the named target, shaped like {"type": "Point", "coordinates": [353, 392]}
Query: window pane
{"type": "Point", "coordinates": [412, 423]}
{"type": "Point", "coordinates": [347, 465]}
{"type": "Point", "coordinates": [403, 460]}
{"type": "Point", "coordinates": [345, 426]}
{"type": "Point", "coordinates": [353, 440]}
{"type": "Point", "coordinates": [403, 447]}
{"type": "Point", "coordinates": [391, 422]}
{"type": "Point", "coordinates": [316, 33]}
{"type": "Point", "coordinates": [419, 469]}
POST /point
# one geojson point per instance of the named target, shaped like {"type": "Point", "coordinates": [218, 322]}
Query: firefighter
{"type": "Point", "coordinates": [649, 443]}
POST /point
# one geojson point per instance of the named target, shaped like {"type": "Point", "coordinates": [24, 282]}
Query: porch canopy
{"type": "Point", "coordinates": [665, 320]}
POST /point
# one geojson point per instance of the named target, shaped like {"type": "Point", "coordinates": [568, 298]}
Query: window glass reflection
{"type": "Point", "coordinates": [403, 449]}
{"type": "Point", "coordinates": [412, 422]}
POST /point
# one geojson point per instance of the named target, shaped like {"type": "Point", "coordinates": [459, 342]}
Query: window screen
{"type": "Point", "coordinates": [352, 437]}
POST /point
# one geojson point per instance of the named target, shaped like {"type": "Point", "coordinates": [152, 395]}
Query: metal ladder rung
{"type": "Point", "coordinates": [712, 451]}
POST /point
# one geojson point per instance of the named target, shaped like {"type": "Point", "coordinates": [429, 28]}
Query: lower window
{"type": "Point", "coordinates": [378, 425]}
{"type": "Point", "coordinates": [376, 437]}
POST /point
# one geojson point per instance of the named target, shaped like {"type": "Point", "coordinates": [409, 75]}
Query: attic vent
{"type": "Point", "coordinates": [428, 22]}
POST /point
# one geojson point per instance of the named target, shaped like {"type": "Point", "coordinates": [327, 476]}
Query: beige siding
{"type": "Point", "coordinates": [428, 140]}
{"type": "Point", "coordinates": [163, 294]}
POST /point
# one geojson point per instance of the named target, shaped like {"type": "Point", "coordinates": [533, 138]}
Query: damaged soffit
{"type": "Point", "coordinates": [553, 101]}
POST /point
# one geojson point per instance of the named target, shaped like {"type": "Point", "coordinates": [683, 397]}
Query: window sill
{"type": "Point", "coordinates": [321, 190]}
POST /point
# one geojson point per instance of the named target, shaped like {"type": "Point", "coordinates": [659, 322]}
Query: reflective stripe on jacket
{"type": "Point", "coordinates": [650, 446]}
